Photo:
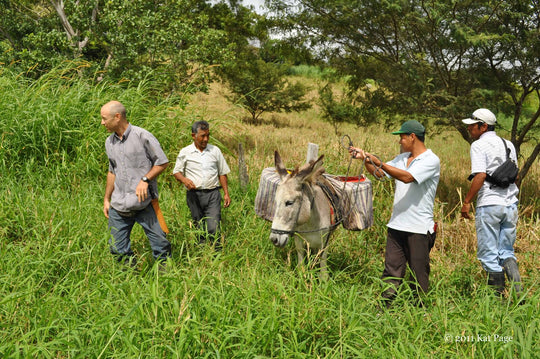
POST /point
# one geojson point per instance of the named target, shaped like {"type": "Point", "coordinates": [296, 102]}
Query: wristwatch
{"type": "Point", "coordinates": [145, 179]}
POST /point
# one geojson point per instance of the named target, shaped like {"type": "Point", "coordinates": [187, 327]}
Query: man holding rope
{"type": "Point", "coordinates": [411, 229]}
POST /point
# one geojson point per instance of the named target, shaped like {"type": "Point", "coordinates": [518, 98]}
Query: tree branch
{"type": "Point", "coordinates": [59, 7]}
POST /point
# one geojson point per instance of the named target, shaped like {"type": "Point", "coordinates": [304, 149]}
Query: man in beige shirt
{"type": "Point", "coordinates": [202, 169]}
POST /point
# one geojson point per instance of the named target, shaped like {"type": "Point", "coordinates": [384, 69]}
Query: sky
{"type": "Point", "coordinates": [257, 4]}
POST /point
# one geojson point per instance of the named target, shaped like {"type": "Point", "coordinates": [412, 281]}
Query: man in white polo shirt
{"type": "Point", "coordinates": [411, 229]}
{"type": "Point", "coordinates": [496, 207]}
{"type": "Point", "coordinates": [202, 169]}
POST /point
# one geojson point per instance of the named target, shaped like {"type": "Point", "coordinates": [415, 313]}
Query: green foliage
{"type": "Point", "coordinates": [337, 112]}
{"type": "Point", "coordinates": [311, 72]}
{"type": "Point", "coordinates": [259, 87]}
{"type": "Point", "coordinates": [438, 60]}
{"type": "Point", "coordinates": [176, 41]}
{"type": "Point", "coordinates": [54, 121]}
{"type": "Point", "coordinates": [125, 40]}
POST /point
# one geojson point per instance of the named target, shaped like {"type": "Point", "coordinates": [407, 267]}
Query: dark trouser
{"type": "Point", "coordinates": [205, 207]}
{"type": "Point", "coordinates": [402, 248]}
{"type": "Point", "coordinates": [121, 226]}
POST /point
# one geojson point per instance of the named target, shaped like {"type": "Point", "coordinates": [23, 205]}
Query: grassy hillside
{"type": "Point", "coordinates": [61, 294]}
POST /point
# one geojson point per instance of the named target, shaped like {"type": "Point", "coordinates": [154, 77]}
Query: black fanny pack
{"type": "Point", "coordinates": [505, 174]}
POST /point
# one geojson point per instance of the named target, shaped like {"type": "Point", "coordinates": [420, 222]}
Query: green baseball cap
{"type": "Point", "coordinates": [411, 126]}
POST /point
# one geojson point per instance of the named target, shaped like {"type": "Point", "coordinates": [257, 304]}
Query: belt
{"type": "Point", "coordinates": [128, 214]}
{"type": "Point", "coordinates": [207, 190]}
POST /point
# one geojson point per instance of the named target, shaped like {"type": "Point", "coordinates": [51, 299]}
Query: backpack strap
{"type": "Point", "coordinates": [506, 149]}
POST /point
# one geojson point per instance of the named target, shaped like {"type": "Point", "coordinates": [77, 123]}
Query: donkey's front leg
{"type": "Point", "coordinates": [300, 249]}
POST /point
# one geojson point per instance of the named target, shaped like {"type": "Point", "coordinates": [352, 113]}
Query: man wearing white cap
{"type": "Point", "coordinates": [496, 207]}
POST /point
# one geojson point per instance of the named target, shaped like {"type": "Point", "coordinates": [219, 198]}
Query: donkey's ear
{"type": "Point", "coordinates": [308, 172]}
{"type": "Point", "coordinates": [281, 170]}
{"type": "Point", "coordinates": [319, 162]}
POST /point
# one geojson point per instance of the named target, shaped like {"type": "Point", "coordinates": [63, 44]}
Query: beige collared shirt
{"type": "Point", "coordinates": [203, 168]}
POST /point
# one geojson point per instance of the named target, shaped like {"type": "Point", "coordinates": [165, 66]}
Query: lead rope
{"type": "Point", "coordinates": [376, 173]}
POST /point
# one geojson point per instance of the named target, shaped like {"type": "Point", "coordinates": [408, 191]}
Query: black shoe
{"type": "Point", "coordinates": [512, 274]}
{"type": "Point", "coordinates": [496, 280]}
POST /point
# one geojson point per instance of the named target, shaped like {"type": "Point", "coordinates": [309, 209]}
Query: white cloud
{"type": "Point", "coordinates": [258, 5]}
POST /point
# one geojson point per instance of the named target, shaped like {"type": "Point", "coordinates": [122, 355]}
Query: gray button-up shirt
{"type": "Point", "coordinates": [131, 158]}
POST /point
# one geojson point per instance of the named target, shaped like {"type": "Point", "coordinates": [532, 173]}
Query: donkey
{"type": "Point", "coordinates": [303, 211]}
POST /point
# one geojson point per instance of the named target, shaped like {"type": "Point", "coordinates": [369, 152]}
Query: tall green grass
{"type": "Point", "coordinates": [62, 295]}
{"type": "Point", "coordinates": [311, 72]}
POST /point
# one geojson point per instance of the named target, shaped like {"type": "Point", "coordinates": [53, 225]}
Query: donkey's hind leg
{"type": "Point", "coordinates": [323, 264]}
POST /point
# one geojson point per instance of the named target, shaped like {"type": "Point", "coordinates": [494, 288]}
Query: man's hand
{"type": "Point", "coordinates": [185, 181]}
{"type": "Point", "coordinates": [142, 191]}
{"type": "Point", "coordinates": [226, 200]}
{"type": "Point", "coordinates": [476, 184]}
{"type": "Point", "coordinates": [465, 210]}
{"type": "Point", "coordinates": [189, 184]}
{"type": "Point", "coordinates": [357, 153]}
{"type": "Point", "coordinates": [106, 206]}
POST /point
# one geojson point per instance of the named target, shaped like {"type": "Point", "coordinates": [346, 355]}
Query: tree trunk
{"type": "Point", "coordinates": [527, 165]}
{"type": "Point", "coordinates": [70, 32]}
{"type": "Point", "coordinates": [59, 7]}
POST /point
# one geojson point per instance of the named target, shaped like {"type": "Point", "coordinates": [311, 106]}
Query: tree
{"type": "Point", "coordinates": [260, 86]}
{"type": "Point", "coordinates": [257, 81]}
{"type": "Point", "coordinates": [438, 60]}
{"type": "Point", "coordinates": [74, 36]}
{"type": "Point", "coordinates": [175, 41]}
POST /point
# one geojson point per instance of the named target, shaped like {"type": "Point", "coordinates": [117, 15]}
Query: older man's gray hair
{"type": "Point", "coordinates": [199, 125]}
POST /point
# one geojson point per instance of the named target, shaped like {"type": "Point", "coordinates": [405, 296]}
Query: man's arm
{"type": "Point", "coordinates": [184, 180]}
{"type": "Point", "coordinates": [109, 187]}
{"type": "Point", "coordinates": [224, 185]}
{"type": "Point", "coordinates": [373, 165]}
{"type": "Point", "coordinates": [142, 187]}
{"type": "Point", "coordinates": [477, 183]}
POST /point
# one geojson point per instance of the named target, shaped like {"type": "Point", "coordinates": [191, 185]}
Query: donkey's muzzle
{"type": "Point", "coordinates": [280, 237]}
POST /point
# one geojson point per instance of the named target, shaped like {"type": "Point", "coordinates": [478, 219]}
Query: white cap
{"type": "Point", "coordinates": [481, 115]}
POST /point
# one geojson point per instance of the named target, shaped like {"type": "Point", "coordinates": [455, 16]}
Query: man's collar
{"type": "Point", "coordinates": [195, 149]}
{"type": "Point", "coordinates": [124, 135]}
{"type": "Point", "coordinates": [487, 134]}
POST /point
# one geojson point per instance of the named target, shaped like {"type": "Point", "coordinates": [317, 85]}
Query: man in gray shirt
{"type": "Point", "coordinates": [135, 161]}
{"type": "Point", "coordinates": [202, 169]}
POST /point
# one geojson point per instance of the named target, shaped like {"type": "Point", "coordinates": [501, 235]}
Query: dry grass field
{"type": "Point", "coordinates": [290, 134]}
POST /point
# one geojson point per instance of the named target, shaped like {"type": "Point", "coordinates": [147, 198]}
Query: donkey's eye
{"type": "Point", "coordinates": [289, 203]}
